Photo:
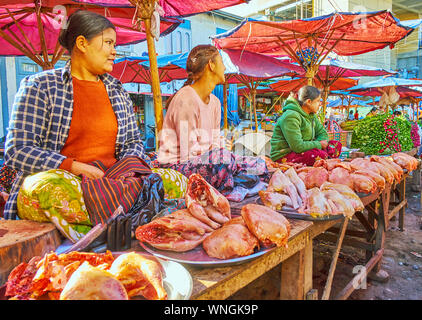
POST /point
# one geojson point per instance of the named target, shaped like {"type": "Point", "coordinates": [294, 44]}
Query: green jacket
{"type": "Point", "coordinates": [296, 131]}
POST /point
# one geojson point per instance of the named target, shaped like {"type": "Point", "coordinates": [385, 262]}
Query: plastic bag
{"type": "Point", "coordinates": [239, 193]}
{"type": "Point", "coordinates": [149, 203]}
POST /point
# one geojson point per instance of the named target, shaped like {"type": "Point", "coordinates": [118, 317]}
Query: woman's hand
{"type": "Point", "coordinates": [89, 171]}
{"type": "Point", "coordinates": [324, 144]}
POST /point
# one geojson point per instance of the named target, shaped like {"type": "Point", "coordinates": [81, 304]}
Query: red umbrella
{"type": "Point", "coordinates": [296, 84]}
{"type": "Point", "coordinates": [172, 8]}
{"type": "Point", "coordinates": [32, 30]}
{"type": "Point", "coordinates": [136, 69]}
{"type": "Point", "coordinates": [309, 41]}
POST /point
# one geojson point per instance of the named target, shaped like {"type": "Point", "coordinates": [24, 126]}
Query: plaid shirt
{"type": "Point", "coordinates": [40, 123]}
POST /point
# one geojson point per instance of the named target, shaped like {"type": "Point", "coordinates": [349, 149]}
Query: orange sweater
{"type": "Point", "coordinates": [93, 129]}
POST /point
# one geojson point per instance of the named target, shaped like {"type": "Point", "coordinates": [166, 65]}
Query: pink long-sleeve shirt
{"type": "Point", "coordinates": [190, 127]}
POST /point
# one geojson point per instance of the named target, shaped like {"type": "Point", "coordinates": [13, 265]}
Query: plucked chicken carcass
{"type": "Point", "coordinates": [275, 200]}
{"type": "Point", "coordinates": [178, 231]}
{"type": "Point", "coordinates": [340, 175]}
{"type": "Point", "coordinates": [379, 180]}
{"type": "Point", "coordinates": [205, 203]}
{"type": "Point", "coordinates": [92, 283]}
{"type": "Point", "coordinates": [232, 240]}
{"type": "Point", "coordinates": [405, 161]}
{"type": "Point", "coordinates": [139, 276]}
{"type": "Point", "coordinates": [298, 183]}
{"type": "Point", "coordinates": [267, 225]}
{"type": "Point", "coordinates": [316, 204]}
{"type": "Point", "coordinates": [389, 165]}
{"type": "Point", "coordinates": [365, 164]}
{"type": "Point", "coordinates": [346, 192]}
{"type": "Point", "coordinates": [280, 183]}
{"type": "Point", "coordinates": [363, 183]}
{"type": "Point", "coordinates": [328, 164]}
{"type": "Point", "coordinates": [338, 203]}
{"type": "Point", "coordinates": [316, 177]}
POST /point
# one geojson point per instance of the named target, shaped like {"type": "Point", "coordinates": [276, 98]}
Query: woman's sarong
{"type": "Point", "coordinates": [309, 157]}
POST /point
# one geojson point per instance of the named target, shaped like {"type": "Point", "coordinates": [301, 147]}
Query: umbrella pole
{"type": "Point", "coordinates": [225, 107]}
{"type": "Point", "coordinates": [155, 80]}
{"type": "Point", "coordinates": [324, 100]}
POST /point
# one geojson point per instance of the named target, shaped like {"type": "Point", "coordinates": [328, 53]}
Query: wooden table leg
{"type": "Point", "coordinates": [328, 284]}
{"type": "Point", "coordinates": [402, 197]}
{"type": "Point", "coordinates": [296, 274]}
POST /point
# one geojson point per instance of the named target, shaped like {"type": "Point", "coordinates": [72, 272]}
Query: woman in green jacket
{"type": "Point", "coordinates": [298, 135]}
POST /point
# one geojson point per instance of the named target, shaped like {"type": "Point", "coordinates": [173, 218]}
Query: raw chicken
{"type": "Point", "coordinates": [140, 276]}
{"type": "Point", "coordinates": [379, 180]}
{"type": "Point", "coordinates": [205, 203]}
{"type": "Point", "coordinates": [384, 171]}
{"type": "Point", "coordinates": [405, 161]}
{"type": "Point", "coordinates": [316, 177]}
{"type": "Point", "coordinates": [275, 200]}
{"type": "Point", "coordinates": [346, 192]}
{"type": "Point", "coordinates": [232, 240]}
{"type": "Point", "coordinates": [339, 204]}
{"type": "Point", "coordinates": [267, 225]}
{"type": "Point", "coordinates": [280, 183]}
{"type": "Point", "coordinates": [390, 165]}
{"type": "Point", "coordinates": [298, 183]}
{"type": "Point", "coordinates": [316, 204]}
{"type": "Point", "coordinates": [340, 175]}
{"type": "Point", "coordinates": [328, 164]}
{"type": "Point", "coordinates": [178, 231]}
{"type": "Point", "coordinates": [362, 183]}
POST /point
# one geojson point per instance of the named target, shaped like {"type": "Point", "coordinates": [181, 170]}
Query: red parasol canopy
{"type": "Point", "coordinates": [296, 84]}
{"type": "Point", "coordinates": [33, 31]}
{"type": "Point", "coordinates": [342, 32]}
{"type": "Point", "coordinates": [309, 41]}
{"type": "Point", "coordinates": [172, 8]}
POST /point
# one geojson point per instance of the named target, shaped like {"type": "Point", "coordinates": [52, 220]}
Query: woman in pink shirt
{"type": "Point", "coordinates": [190, 140]}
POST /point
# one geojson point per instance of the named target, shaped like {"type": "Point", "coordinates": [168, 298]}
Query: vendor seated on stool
{"type": "Point", "coordinates": [298, 135]}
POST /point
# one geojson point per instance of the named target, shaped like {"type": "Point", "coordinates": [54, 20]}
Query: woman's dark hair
{"type": "Point", "coordinates": [83, 23]}
{"type": "Point", "coordinates": [196, 62]}
{"type": "Point", "coordinates": [307, 92]}
{"type": "Point", "coordinates": [373, 109]}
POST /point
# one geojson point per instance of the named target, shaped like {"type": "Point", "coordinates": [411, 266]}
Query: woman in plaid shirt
{"type": "Point", "coordinates": [67, 118]}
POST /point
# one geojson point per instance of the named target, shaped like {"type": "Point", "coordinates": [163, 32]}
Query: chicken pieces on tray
{"type": "Point", "coordinates": [279, 182]}
{"type": "Point", "coordinates": [206, 203]}
{"type": "Point", "coordinates": [178, 231]}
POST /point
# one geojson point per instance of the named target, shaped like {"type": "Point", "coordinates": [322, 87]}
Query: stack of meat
{"type": "Point", "coordinates": [287, 191]}
{"type": "Point", "coordinates": [363, 175]}
{"type": "Point", "coordinates": [87, 276]}
{"type": "Point", "coordinates": [208, 220]}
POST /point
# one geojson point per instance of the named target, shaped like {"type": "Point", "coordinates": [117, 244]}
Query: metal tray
{"type": "Point", "coordinates": [293, 214]}
{"type": "Point", "coordinates": [177, 280]}
{"type": "Point", "coordinates": [198, 256]}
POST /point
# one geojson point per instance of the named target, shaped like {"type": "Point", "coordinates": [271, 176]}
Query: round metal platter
{"type": "Point", "coordinates": [293, 214]}
{"type": "Point", "coordinates": [198, 256]}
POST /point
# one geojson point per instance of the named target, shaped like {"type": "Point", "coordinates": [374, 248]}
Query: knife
{"type": "Point", "coordinates": [94, 233]}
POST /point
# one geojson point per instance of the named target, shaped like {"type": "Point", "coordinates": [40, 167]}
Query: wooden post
{"type": "Point", "coordinates": [254, 107]}
{"type": "Point", "coordinates": [324, 100]}
{"type": "Point", "coordinates": [145, 8]}
{"type": "Point", "coordinates": [225, 106]}
{"type": "Point", "coordinates": [155, 80]}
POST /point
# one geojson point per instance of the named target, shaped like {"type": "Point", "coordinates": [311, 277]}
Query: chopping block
{"type": "Point", "coordinates": [20, 240]}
